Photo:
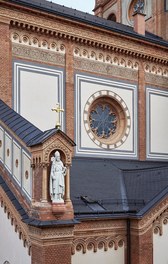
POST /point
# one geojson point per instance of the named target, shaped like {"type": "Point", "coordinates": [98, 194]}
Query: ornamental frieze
{"type": "Point", "coordinates": [95, 243]}
{"type": "Point", "coordinates": [158, 80]}
{"type": "Point", "coordinates": [51, 233]}
{"type": "Point", "coordinates": [148, 220]}
{"type": "Point", "coordinates": [156, 69]}
{"type": "Point", "coordinates": [109, 225]}
{"type": "Point", "coordinates": [104, 68]}
{"type": "Point", "coordinates": [107, 57]}
{"type": "Point", "coordinates": [36, 41]}
{"type": "Point", "coordinates": [35, 54]}
{"type": "Point", "coordinates": [82, 34]}
{"type": "Point", "coordinates": [159, 222]}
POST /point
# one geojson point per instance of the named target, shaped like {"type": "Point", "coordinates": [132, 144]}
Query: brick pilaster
{"type": "Point", "coordinates": [141, 112]}
{"type": "Point", "coordinates": [69, 68]}
{"type": "Point", "coordinates": [142, 247]}
{"type": "Point", "coordinates": [6, 62]}
{"type": "Point", "coordinates": [51, 245]}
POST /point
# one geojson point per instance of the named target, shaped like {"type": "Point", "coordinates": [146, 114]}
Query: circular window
{"type": "Point", "coordinates": [107, 119]}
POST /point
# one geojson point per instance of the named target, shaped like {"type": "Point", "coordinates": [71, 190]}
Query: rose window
{"type": "Point", "coordinates": [106, 119]}
{"type": "Point", "coordinates": [103, 121]}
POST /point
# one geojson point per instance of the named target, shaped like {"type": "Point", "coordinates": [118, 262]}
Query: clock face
{"type": "Point", "coordinates": [107, 121]}
{"type": "Point", "coordinates": [135, 6]}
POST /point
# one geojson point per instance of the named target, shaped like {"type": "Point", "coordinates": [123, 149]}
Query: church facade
{"type": "Point", "coordinates": [106, 78]}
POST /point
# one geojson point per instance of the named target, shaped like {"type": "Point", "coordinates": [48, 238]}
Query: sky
{"type": "Point", "coordinates": [83, 5]}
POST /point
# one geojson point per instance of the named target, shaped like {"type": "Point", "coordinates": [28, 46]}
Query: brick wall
{"type": "Point", "coordinates": [52, 254]}
{"type": "Point", "coordinates": [6, 63]}
{"type": "Point", "coordinates": [141, 113]}
{"type": "Point", "coordinates": [142, 248]}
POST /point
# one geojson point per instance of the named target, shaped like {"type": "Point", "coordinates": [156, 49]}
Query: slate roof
{"type": "Point", "coordinates": [47, 134]}
{"type": "Point", "coordinates": [56, 9]}
{"type": "Point", "coordinates": [99, 187]}
{"type": "Point", "coordinates": [110, 187]}
{"type": "Point", "coordinates": [26, 131]}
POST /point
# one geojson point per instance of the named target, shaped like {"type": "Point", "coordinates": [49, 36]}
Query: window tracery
{"type": "Point", "coordinates": [103, 121]}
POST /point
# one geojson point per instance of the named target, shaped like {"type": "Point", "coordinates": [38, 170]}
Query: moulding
{"type": "Point", "coordinates": [60, 28]}
{"type": "Point", "coordinates": [95, 243]}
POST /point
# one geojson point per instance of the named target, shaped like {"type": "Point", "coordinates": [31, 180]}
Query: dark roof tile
{"type": "Point", "coordinates": [18, 124]}
{"type": "Point", "coordinates": [89, 19]}
{"type": "Point", "coordinates": [116, 185]}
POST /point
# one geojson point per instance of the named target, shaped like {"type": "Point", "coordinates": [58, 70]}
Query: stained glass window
{"type": "Point", "coordinates": [103, 121]}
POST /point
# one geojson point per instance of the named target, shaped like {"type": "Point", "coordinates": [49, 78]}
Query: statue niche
{"type": "Point", "coordinates": [57, 179]}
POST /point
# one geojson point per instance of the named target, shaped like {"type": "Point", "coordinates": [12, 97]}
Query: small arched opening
{"type": "Point", "coordinates": [112, 17]}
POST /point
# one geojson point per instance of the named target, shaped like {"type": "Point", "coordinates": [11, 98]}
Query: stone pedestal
{"type": "Point", "coordinates": [63, 211]}
{"type": "Point", "coordinates": [58, 208]}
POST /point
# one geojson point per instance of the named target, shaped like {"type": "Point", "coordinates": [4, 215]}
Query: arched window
{"type": "Point", "coordinates": [112, 17]}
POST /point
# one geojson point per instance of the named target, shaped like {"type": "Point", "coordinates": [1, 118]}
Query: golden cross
{"type": "Point", "coordinates": [58, 110]}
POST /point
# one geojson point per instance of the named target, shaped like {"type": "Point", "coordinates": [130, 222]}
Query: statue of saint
{"type": "Point", "coordinates": [57, 186]}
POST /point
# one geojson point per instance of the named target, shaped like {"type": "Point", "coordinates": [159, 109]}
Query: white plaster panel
{"type": "Point", "coordinates": [8, 152]}
{"type": "Point", "coordinates": [36, 91]}
{"type": "Point", "coordinates": [157, 127]}
{"type": "Point", "coordinates": [86, 87]}
{"type": "Point", "coordinates": [11, 247]}
{"type": "Point", "coordinates": [17, 162]}
{"type": "Point", "coordinates": [26, 174]}
{"type": "Point", "coordinates": [109, 11]}
{"type": "Point", "coordinates": [160, 242]}
{"type": "Point", "coordinates": [2, 144]}
{"type": "Point", "coordinates": [106, 257]}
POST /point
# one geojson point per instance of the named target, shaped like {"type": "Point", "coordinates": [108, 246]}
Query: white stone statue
{"type": "Point", "coordinates": [57, 174]}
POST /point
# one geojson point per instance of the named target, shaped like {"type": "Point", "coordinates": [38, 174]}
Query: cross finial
{"type": "Point", "coordinates": [58, 110]}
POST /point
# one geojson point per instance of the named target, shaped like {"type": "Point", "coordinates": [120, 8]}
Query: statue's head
{"type": "Point", "coordinates": [57, 155]}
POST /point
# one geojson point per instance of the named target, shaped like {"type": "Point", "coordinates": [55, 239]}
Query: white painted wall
{"type": "Point", "coordinates": [157, 125]}
{"type": "Point", "coordinates": [160, 252]}
{"type": "Point", "coordinates": [8, 150]}
{"type": "Point", "coordinates": [86, 86]}
{"type": "Point", "coordinates": [16, 152]}
{"type": "Point", "coordinates": [111, 10]}
{"type": "Point", "coordinates": [26, 181]}
{"type": "Point", "coordinates": [36, 91]}
{"type": "Point", "coordinates": [2, 144]}
{"type": "Point", "coordinates": [100, 257]}
{"type": "Point", "coordinates": [17, 156]}
{"type": "Point", "coordinates": [11, 247]}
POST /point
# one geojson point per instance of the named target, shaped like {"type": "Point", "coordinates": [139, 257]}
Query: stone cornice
{"type": "Point", "coordinates": [151, 219]}
{"type": "Point", "coordinates": [88, 35]}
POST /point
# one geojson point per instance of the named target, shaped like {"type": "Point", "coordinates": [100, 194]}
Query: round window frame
{"type": "Point", "coordinates": [123, 119]}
